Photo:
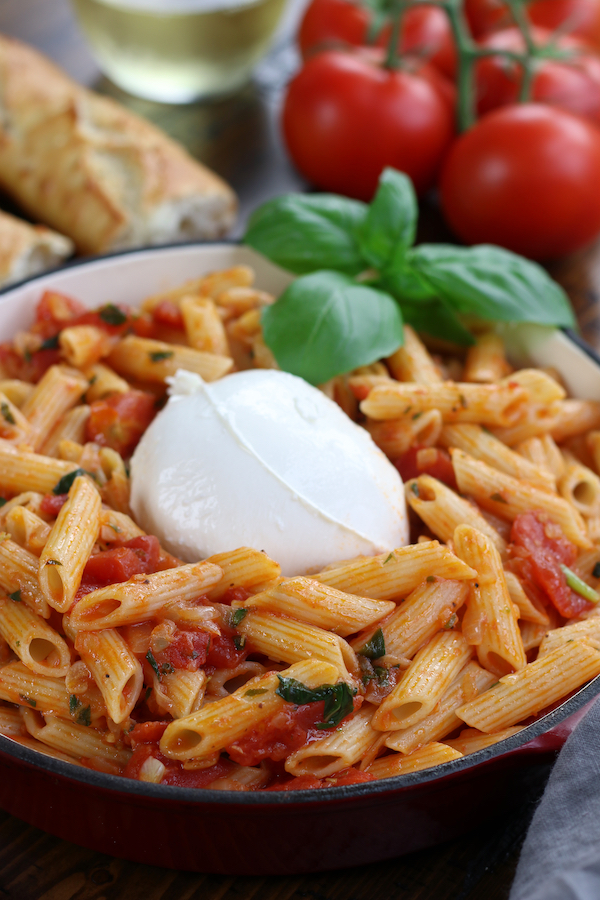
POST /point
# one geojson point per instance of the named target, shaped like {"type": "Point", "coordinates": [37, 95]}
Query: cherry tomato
{"type": "Point", "coordinates": [581, 17]}
{"type": "Point", "coordinates": [425, 31]}
{"type": "Point", "coordinates": [572, 85]}
{"type": "Point", "coordinates": [522, 178]}
{"type": "Point", "coordinates": [119, 420]}
{"type": "Point", "coordinates": [345, 119]}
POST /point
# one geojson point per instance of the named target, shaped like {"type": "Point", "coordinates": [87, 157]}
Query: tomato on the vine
{"type": "Point", "coordinates": [580, 17]}
{"type": "Point", "coordinates": [426, 32]}
{"type": "Point", "coordinates": [346, 118]}
{"type": "Point", "coordinates": [572, 84]}
{"type": "Point", "coordinates": [523, 177]}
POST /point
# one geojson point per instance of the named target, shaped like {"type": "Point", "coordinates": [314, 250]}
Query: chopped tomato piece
{"type": "Point", "coordinates": [119, 420]}
{"type": "Point", "coordinates": [277, 736]}
{"type": "Point", "coordinates": [54, 311]}
{"type": "Point", "coordinates": [426, 461]}
{"type": "Point", "coordinates": [188, 650]}
{"type": "Point", "coordinates": [223, 653]}
{"type": "Point", "coordinates": [542, 544]}
{"type": "Point", "coordinates": [107, 318]}
{"type": "Point", "coordinates": [137, 556]}
{"type": "Point", "coordinates": [168, 313]}
{"type": "Point", "coordinates": [234, 594]}
{"type": "Point", "coordinates": [197, 778]}
{"type": "Point", "coordinates": [146, 733]}
{"type": "Point", "coordinates": [52, 504]}
{"type": "Point", "coordinates": [347, 776]}
{"type": "Point", "coordinates": [144, 325]}
{"type": "Point", "coordinates": [300, 783]}
{"type": "Point", "coordinates": [30, 368]}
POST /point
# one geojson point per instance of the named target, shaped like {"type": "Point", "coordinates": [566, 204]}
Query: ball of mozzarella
{"type": "Point", "coordinates": [262, 459]}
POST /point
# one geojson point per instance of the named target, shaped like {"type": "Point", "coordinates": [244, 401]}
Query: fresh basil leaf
{"type": "Point", "coordinates": [325, 324]}
{"type": "Point", "coordinates": [306, 232]}
{"type": "Point", "coordinates": [437, 320]}
{"type": "Point", "coordinates": [406, 284]}
{"type": "Point", "coordinates": [337, 697]}
{"type": "Point", "coordinates": [112, 315]}
{"type": "Point", "coordinates": [492, 284]}
{"type": "Point", "coordinates": [51, 343]}
{"type": "Point", "coordinates": [375, 648]}
{"type": "Point", "coordinates": [237, 615]}
{"type": "Point", "coordinates": [390, 227]}
{"type": "Point", "coordinates": [63, 486]}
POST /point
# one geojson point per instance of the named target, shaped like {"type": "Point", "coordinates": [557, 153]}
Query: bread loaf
{"type": "Point", "coordinates": [28, 249]}
{"type": "Point", "coordinates": [94, 171]}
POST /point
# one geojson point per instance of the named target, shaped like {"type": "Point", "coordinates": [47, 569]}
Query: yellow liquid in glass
{"type": "Point", "coordinates": [180, 55]}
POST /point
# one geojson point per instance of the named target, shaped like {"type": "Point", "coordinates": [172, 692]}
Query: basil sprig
{"type": "Point", "coordinates": [361, 277]}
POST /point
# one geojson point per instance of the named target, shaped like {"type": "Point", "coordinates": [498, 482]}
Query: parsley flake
{"type": "Point", "coordinates": [255, 692]}
{"type": "Point", "coordinates": [16, 596]}
{"type": "Point", "coordinates": [237, 616]}
{"type": "Point", "coordinates": [112, 315]}
{"type": "Point", "coordinates": [50, 343]}
{"type": "Point", "coordinates": [498, 498]}
{"type": "Point", "coordinates": [159, 355]}
{"type": "Point", "coordinates": [28, 700]}
{"type": "Point", "coordinates": [7, 414]}
{"type": "Point", "coordinates": [375, 648]}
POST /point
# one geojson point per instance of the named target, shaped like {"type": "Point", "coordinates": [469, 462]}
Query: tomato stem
{"type": "Point", "coordinates": [393, 59]}
{"type": "Point", "coordinates": [527, 61]}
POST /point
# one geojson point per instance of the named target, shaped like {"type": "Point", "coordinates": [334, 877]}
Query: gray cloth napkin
{"type": "Point", "coordinates": [560, 859]}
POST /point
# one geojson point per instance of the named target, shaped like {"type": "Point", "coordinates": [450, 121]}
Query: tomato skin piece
{"type": "Point", "coordinates": [338, 98]}
{"type": "Point", "coordinates": [545, 548]}
{"type": "Point", "coordinates": [426, 32]}
{"type": "Point", "coordinates": [119, 420]}
{"type": "Point", "coordinates": [223, 654]}
{"type": "Point", "coordinates": [137, 556]}
{"type": "Point", "coordinates": [168, 313]}
{"type": "Point", "coordinates": [521, 178]}
{"type": "Point", "coordinates": [188, 650]}
{"type": "Point", "coordinates": [434, 462]}
{"type": "Point", "coordinates": [52, 504]}
{"type": "Point", "coordinates": [573, 85]}
{"type": "Point", "coordinates": [278, 736]}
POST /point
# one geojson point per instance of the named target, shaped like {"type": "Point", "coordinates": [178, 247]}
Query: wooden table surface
{"type": "Point", "coordinates": [239, 138]}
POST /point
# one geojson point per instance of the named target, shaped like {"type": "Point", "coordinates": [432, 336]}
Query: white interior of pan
{"type": "Point", "coordinates": [131, 277]}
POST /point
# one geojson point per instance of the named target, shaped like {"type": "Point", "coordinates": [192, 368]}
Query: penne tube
{"type": "Point", "coordinates": [486, 360]}
{"type": "Point", "coordinates": [211, 285]}
{"type": "Point", "coordinates": [396, 436]}
{"type": "Point", "coordinates": [244, 567]}
{"type": "Point", "coordinates": [487, 404]}
{"type": "Point", "coordinates": [46, 693]}
{"type": "Point", "coordinates": [102, 381]}
{"type": "Point", "coordinates": [217, 725]}
{"type": "Point", "coordinates": [430, 607]}
{"type": "Point", "coordinates": [235, 301]}
{"type": "Point", "coordinates": [114, 668]}
{"type": "Point", "coordinates": [16, 391]}
{"type": "Point", "coordinates": [527, 610]}
{"type": "Point", "coordinates": [534, 688]}
{"type": "Point", "coordinates": [70, 544]}
{"type": "Point", "coordinates": [116, 491]}
{"type": "Point", "coordinates": [203, 325]}
{"type": "Point", "coordinates": [430, 674]}
{"type": "Point", "coordinates": [79, 741]}
{"type": "Point", "coordinates": [181, 692]}
{"type": "Point", "coordinates": [470, 740]}
{"type": "Point", "coordinates": [481, 444]}
{"type": "Point", "coordinates": [289, 641]}
{"type": "Point", "coordinates": [580, 486]}
{"type": "Point", "coordinates": [544, 453]}
{"type": "Point", "coordinates": [442, 510]}
{"type": "Point", "coordinates": [11, 723]}
{"type": "Point", "coordinates": [14, 427]}
{"type": "Point", "coordinates": [27, 529]}
{"type": "Point", "coordinates": [23, 471]}
{"type": "Point", "coordinates": [392, 576]}
{"type": "Point", "coordinates": [539, 420]}
{"type": "Point", "coordinates": [339, 750]}
{"type": "Point", "coordinates": [491, 619]}
{"type": "Point", "coordinates": [19, 575]}
{"type": "Point", "coordinates": [140, 598]}
{"type": "Point", "coordinates": [540, 386]}
{"type": "Point", "coordinates": [58, 390]}
{"type": "Point", "coordinates": [321, 605]}
{"type": "Point", "coordinates": [84, 345]}
{"type": "Point", "coordinates": [36, 644]}
{"type": "Point", "coordinates": [508, 498]}
{"type": "Point", "coordinates": [412, 361]}
{"type": "Point", "coordinates": [442, 721]}
{"type": "Point", "coordinates": [558, 637]}
{"type": "Point", "coordinates": [243, 778]}
{"type": "Point", "coordinates": [575, 417]}
{"type": "Point", "coordinates": [70, 427]}
{"type": "Point", "coordinates": [434, 754]}
{"type": "Point", "coordinates": [154, 361]}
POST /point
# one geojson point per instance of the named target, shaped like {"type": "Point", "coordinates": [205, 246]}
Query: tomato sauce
{"type": "Point", "coordinates": [119, 420]}
{"type": "Point", "coordinates": [426, 461]}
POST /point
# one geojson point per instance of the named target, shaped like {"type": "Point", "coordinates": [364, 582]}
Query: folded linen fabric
{"type": "Point", "coordinates": [560, 859]}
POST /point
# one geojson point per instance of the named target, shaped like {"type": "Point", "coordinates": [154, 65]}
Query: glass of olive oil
{"type": "Point", "coordinates": [178, 51]}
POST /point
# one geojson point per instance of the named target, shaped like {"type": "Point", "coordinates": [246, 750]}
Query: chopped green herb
{"type": "Point", "coordinates": [92, 380]}
{"type": "Point", "coordinates": [407, 410]}
{"type": "Point", "coordinates": [81, 714]}
{"type": "Point", "coordinates": [112, 315]}
{"type": "Point", "coordinates": [28, 700]}
{"type": "Point", "coordinates": [255, 692]}
{"type": "Point", "coordinates": [237, 615]}
{"type": "Point", "coordinates": [493, 685]}
{"type": "Point", "coordinates": [337, 697]}
{"type": "Point", "coordinates": [166, 668]}
{"type": "Point", "coordinates": [159, 355]}
{"type": "Point", "coordinates": [388, 558]}
{"type": "Point", "coordinates": [375, 648]}
{"type": "Point", "coordinates": [7, 414]}
{"type": "Point", "coordinates": [416, 415]}
{"type": "Point", "coordinates": [463, 401]}
{"type": "Point", "coordinates": [53, 562]}
{"type": "Point", "coordinates": [383, 676]}
{"type": "Point", "coordinates": [415, 488]}
{"type": "Point", "coordinates": [50, 343]}
{"type": "Point", "coordinates": [498, 498]}
{"type": "Point", "coordinates": [239, 641]}
{"type": "Point", "coordinates": [27, 355]}
{"type": "Point", "coordinates": [147, 694]}
{"type": "Point", "coordinates": [114, 527]}
{"type": "Point", "coordinates": [595, 570]}
{"type": "Point", "coordinates": [74, 704]}
{"type": "Point", "coordinates": [3, 500]}
{"type": "Point", "coordinates": [430, 579]}
{"type": "Point", "coordinates": [153, 663]}
{"type": "Point", "coordinates": [64, 485]}
{"type": "Point", "coordinates": [580, 587]}
{"type": "Point", "coordinates": [16, 596]}
{"type": "Point", "coordinates": [451, 622]}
